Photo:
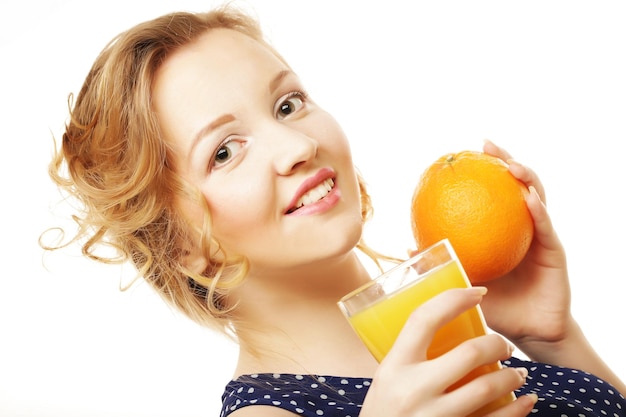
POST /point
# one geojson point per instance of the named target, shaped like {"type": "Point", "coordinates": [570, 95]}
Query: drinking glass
{"type": "Point", "coordinates": [378, 310]}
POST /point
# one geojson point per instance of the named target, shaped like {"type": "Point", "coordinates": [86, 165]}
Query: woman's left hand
{"type": "Point", "coordinates": [531, 303]}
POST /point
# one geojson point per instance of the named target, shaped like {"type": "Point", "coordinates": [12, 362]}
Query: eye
{"type": "Point", "coordinates": [290, 104]}
{"type": "Point", "coordinates": [226, 151]}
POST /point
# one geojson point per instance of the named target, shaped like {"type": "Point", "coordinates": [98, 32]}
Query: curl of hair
{"type": "Point", "coordinates": [114, 162]}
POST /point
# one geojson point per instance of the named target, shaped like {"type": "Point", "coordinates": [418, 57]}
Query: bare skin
{"type": "Point", "coordinates": [263, 145]}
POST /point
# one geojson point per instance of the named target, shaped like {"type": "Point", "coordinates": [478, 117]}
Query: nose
{"type": "Point", "coordinates": [290, 148]}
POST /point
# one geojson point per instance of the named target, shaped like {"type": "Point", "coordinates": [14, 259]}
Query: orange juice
{"type": "Point", "coordinates": [379, 324]}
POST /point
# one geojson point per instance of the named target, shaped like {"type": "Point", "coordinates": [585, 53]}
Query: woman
{"type": "Point", "coordinates": [197, 153]}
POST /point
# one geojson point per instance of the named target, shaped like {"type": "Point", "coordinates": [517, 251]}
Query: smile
{"type": "Point", "coordinates": [314, 195]}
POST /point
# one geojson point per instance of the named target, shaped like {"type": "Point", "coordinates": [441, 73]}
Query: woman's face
{"type": "Point", "coordinates": [275, 169]}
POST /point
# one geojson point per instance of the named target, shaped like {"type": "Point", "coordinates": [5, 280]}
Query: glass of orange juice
{"type": "Point", "coordinates": [378, 310]}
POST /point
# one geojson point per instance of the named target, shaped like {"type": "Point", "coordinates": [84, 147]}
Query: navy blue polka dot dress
{"type": "Point", "coordinates": [562, 392]}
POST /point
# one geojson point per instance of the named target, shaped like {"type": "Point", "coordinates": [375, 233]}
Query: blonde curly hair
{"type": "Point", "coordinates": [114, 162]}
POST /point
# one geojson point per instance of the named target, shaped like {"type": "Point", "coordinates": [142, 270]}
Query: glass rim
{"type": "Point", "coordinates": [404, 264]}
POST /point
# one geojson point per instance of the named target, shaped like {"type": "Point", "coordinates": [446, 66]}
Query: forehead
{"type": "Point", "coordinates": [217, 73]}
{"type": "Point", "coordinates": [220, 59]}
{"type": "Point", "coordinates": [220, 50]}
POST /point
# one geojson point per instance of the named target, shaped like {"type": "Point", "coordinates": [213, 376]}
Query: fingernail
{"type": "Point", "coordinates": [523, 372]}
{"type": "Point", "coordinates": [479, 290]}
{"type": "Point", "coordinates": [533, 397]}
{"type": "Point", "coordinates": [511, 348]}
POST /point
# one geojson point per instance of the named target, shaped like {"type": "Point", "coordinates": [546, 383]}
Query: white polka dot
{"type": "Point", "coordinates": [291, 392]}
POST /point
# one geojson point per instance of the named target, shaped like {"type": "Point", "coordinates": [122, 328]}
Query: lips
{"type": "Point", "coordinates": [313, 190]}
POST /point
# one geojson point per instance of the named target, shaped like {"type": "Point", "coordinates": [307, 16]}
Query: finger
{"type": "Point", "coordinates": [494, 150]}
{"type": "Point", "coordinates": [418, 331]}
{"type": "Point", "coordinates": [522, 406]}
{"type": "Point", "coordinates": [490, 387]}
{"type": "Point", "coordinates": [519, 171]}
{"type": "Point", "coordinates": [469, 355]}
{"type": "Point", "coordinates": [527, 176]}
{"type": "Point", "coordinates": [544, 230]}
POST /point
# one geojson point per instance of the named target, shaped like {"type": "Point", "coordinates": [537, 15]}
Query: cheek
{"type": "Point", "coordinates": [237, 216]}
{"type": "Point", "coordinates": [332, 138]}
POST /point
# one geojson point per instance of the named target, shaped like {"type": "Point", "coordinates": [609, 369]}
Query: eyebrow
{"type": "Point", "coordinates": [278, 79]}
{"type": "Point", "coordinates": [220, 121]}
{"type": "Point", "coordinates": [228, 117]}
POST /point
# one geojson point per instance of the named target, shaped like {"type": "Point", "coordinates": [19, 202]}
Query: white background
{"type": "Point", "coordinates": [545, 79]}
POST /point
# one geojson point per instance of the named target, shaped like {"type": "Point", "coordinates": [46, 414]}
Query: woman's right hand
{"type": "Point", "coordinates": [407, 384]}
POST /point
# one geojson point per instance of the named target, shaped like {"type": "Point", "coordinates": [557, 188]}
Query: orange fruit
{"type": "Point", "coordinates": [473, 200]}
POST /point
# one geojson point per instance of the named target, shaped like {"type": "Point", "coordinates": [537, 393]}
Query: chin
{"type": "Point", "coordinates": [347, 240]}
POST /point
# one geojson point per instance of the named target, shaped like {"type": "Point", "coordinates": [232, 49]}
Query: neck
{"type": "Point", "coordinates": [285, 323]}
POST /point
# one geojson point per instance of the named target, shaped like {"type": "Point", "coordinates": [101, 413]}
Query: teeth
{"type": "Point", "coordinates": [316, 193]}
